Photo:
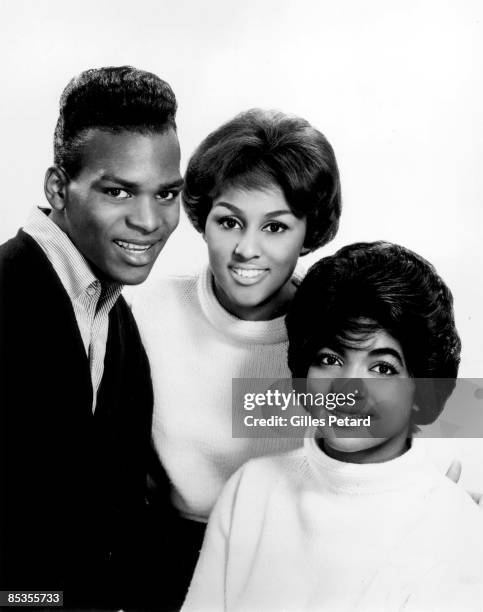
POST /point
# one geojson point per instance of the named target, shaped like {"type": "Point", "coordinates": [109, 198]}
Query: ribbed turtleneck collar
{"type": "Point", "coordinates": [360, 479]}
{"type": "Point", "coordinates": [247, 332]}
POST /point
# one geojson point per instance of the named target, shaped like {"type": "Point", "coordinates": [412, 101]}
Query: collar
{"type": "Point", "coordinates": [70, 265]}
{"type": "Point", "coordinates": [246, 332]}
{"type": "Point", "coordinates": [410, 469]}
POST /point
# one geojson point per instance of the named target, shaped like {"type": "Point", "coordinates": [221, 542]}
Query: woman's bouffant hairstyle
{"type": "Point", "coordinates": [112, 99]}
{"type": "Point", "coordinates": [367, 287]}
{"type": "Point", "coordinates": [259, 149]}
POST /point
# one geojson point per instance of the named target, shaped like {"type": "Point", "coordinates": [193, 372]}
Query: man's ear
{"type": "Point", "coordinates": [55, 186]}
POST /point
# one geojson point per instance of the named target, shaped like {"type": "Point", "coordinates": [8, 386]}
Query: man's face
{"type": "Point", "coordinates": [122, 206]}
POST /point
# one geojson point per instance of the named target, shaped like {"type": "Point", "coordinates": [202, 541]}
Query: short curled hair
{"type": "Point", "coordinates": [366, 287]}
{"type": "Point", "coordinates": [259, 149]}
{"type": "Point", "coordinates": [112, 99]}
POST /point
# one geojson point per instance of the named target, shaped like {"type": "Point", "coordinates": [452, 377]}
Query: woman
{"type": "Point", "coordinates": [358, 519]}
{"type": "Point", "coordinates": [262, 189]}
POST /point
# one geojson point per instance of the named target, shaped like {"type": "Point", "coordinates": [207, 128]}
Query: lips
{"type": "Point", "coordinates": [137, 253]}
{"type": "Point", "coordinates": [134, 247]}
{"type": "Point", "coordinates": [359, 409]}
{"type": "Point", "coordinates": [248, 272]}
{"type": "Point", "coordinates": [247, 275]}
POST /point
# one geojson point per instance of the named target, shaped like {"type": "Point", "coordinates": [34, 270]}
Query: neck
{"type": "Point", "coordinates": [338, 476]}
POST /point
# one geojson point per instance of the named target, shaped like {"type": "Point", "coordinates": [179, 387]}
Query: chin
{"type": "Point", "coordinates": [251, 297]}
{"type": "Point", "coordinates": [137, 280]}
{"type": "Point", "coordinates": [133, 276]}
{"type": "Point", "coordinates": [351, 445]}
{"type": "Point", "coordinates": [247, 303]}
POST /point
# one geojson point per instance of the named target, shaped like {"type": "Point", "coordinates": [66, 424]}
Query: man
{"type": "Point", "coordinates": [75, 387]}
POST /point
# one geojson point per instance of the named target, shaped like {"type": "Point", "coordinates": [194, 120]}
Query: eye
{"type": "Point", "coordinates": [168, 196]}
{"type": "Point", "coordinates": [385, 369]}
{"type": "Point", "coordinates": [117, 193]}
{"type": "Point", "coordinates": [327, 360]}
{"type": "Point", "coordinates": [275, 227]}
{"type": "Point", "coordinates": [229, 223]}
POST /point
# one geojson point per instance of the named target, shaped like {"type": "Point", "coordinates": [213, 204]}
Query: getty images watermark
{"type": "Point", "coordinates": [338, 403]}
{"type": "Point", "coordinates": [441, 408]}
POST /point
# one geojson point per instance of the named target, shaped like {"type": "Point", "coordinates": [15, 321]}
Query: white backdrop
{"type": "Point", "coordinates": [396, 86]}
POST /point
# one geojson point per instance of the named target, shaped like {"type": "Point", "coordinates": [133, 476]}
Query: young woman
{"type": "Point", "coordinates": [262, 189]}
{"type": "Point", "coordinates": [358, 519]}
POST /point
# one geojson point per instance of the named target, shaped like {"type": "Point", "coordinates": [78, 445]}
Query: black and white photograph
{"type": "Point", "coordinates": [240, 306]}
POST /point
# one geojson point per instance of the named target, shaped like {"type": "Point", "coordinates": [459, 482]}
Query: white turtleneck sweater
{"type": "Point", "coordinates": [301, 531]}
{"type": "Point", "coordinates": [195, 348]}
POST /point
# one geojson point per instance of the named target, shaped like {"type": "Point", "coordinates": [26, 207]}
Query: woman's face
{"type": "Point", "coordinates": [375, 370]}
{"type": "Point", "coordinates": [254, 241]}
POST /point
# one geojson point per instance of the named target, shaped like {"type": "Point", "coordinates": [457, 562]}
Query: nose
{"type": "Point", "coordinates": [247, 246]}
{"type": "Point", "coordinates": [349, 385]}
{"type": "Point", "coordinates": [144, 215]}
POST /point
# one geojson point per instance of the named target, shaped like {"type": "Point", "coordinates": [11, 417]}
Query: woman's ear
{"type": "Point", "coordinates": [55, 185]}
{"type": "Point", "coordinates": [304, 251]}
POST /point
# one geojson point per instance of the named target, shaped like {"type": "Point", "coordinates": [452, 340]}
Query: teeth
{"type": "Point", "coordinates": [243, 272]}
{"type": "Point", "coordinates": [129, 246]}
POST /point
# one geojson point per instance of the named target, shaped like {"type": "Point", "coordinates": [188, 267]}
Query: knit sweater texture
{"type": "Point", "coordinates": [302, 531]}
{"type": "Point", "coordinates": [195, 348]}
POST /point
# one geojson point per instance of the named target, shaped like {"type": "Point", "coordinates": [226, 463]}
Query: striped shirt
{"type": "Point", "coordinates": [91, 300]}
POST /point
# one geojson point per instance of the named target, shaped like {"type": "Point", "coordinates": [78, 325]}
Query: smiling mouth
{"type": "Point", "coordinates": [249, 273]}
{"type": "Point", "coordinates": [132, 247]}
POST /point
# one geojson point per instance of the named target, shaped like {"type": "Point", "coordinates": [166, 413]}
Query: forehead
{"type": "Point", "coordinates": [254, 202]}
{"type": "Point", "coordinates": [364, 342]}
{"type": "Point", "coordinates": [131, 154]}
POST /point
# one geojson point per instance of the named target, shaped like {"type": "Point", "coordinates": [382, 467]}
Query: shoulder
{"type": "Point", "coordinates": [161, 292]}
{"type": "Point", "coordinates": [262, 474]}
{"type": "Point", "coordinates": [278, 462]}
{"type": "Point", "coordinates": [21, 247]}
{"type": "Point", "coordinates": [24, 268]}
{"type": "Point", "coordinates": [459, 499]}
{"type": "Point", "coordinates": [449, 545]}
{"type": "Point", "coordinates": [453, 513]}
{"type": "Point", "coordinates": [259, 486]}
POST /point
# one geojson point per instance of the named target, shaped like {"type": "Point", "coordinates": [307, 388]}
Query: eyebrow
{"type": "Point", "coordinates": [238, 211]}
{"type": "Point", "coordinates": [374, 353]}
{"type": "Point", "coordinates": [175, 184]}
{"type": "Point", "coordinates": [387, 351]}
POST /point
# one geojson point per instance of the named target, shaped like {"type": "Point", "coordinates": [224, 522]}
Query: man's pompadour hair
{"type": "Point", "coordinates": [113, 99]}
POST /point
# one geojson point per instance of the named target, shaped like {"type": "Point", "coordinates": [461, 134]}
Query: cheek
{"type": "Point", "coordinates": [396, 411]}
{"type": "Point", "coordinates": [402, 397]}
{"type": "Point", "coordinates": [318, 381]}
{"type": "Point", "coordinates": [286, 252]}
{"type": "Point", "coordinates": [90, 216]}
{"type": "Point", "coordinates": [82, 226]}
{"type": "Point", "coordinates": [220, 245]}
{"type": "Point", "coordinates": [170, 217]}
